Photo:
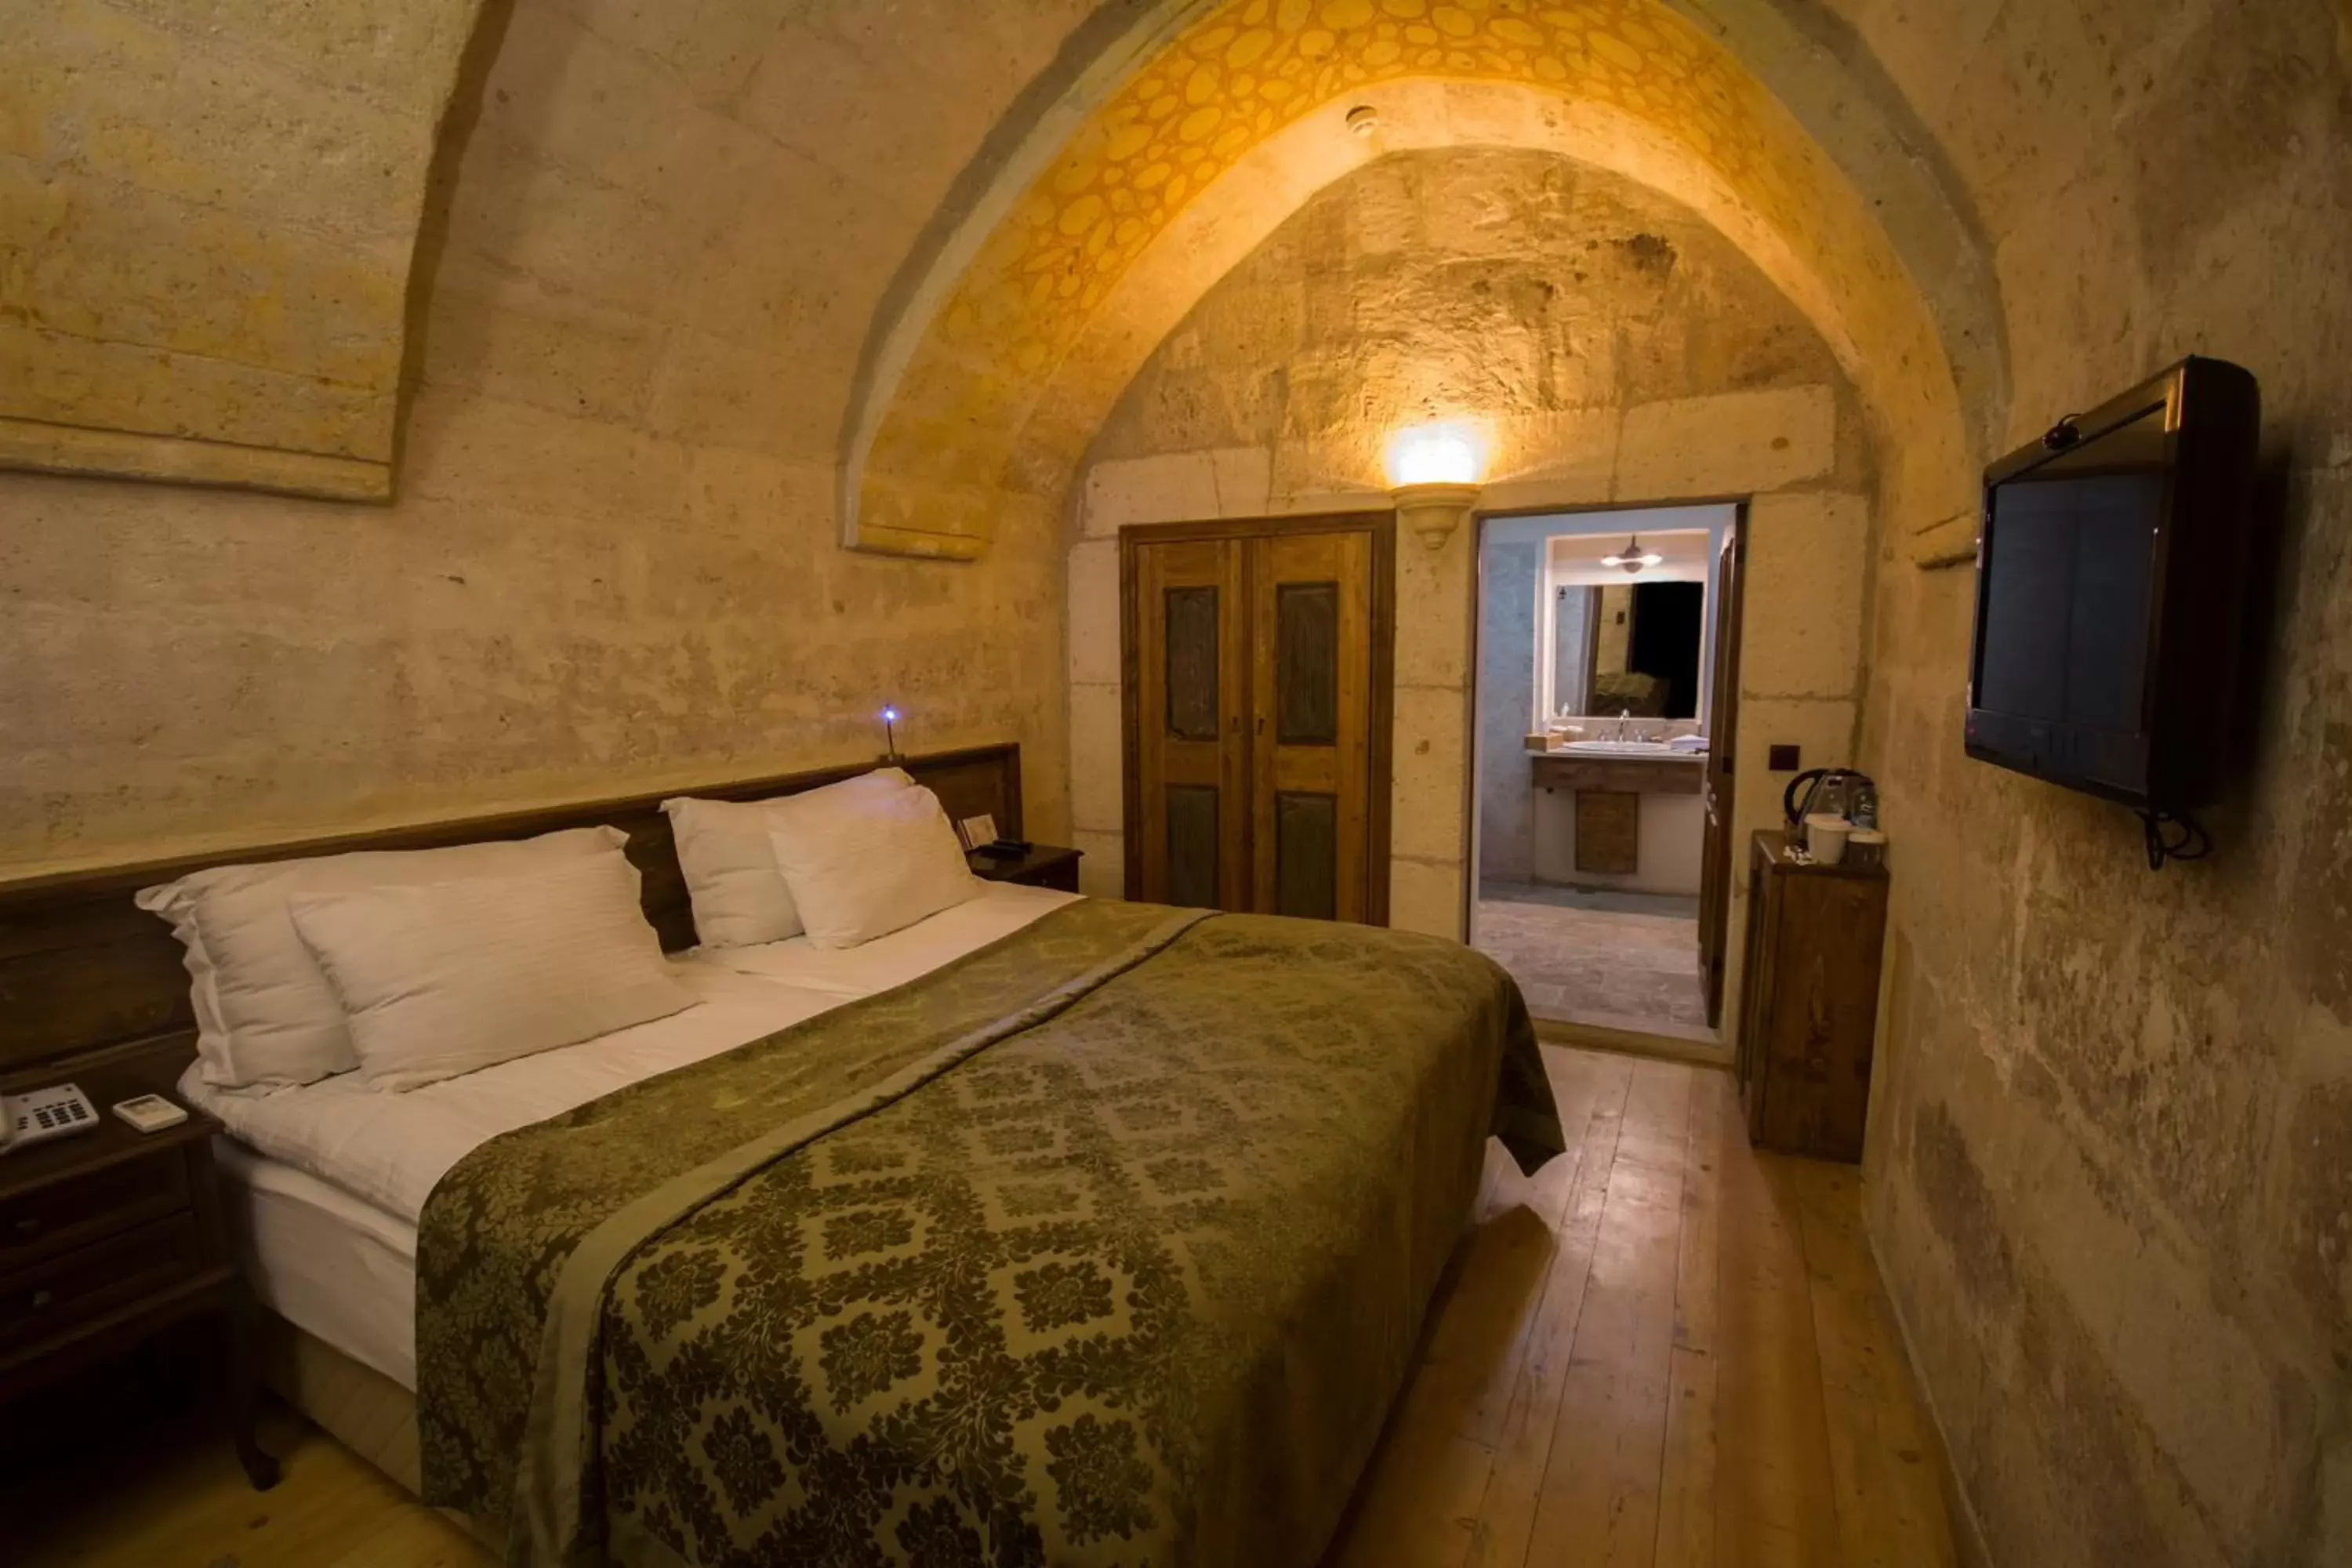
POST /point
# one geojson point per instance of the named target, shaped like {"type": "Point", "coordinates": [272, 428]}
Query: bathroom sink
{"type": "Point", "coordinates": [1624, 749]}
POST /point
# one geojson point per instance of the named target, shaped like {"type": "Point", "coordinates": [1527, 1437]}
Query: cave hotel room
{"type": "Point", "coordinates": [1175, 783]}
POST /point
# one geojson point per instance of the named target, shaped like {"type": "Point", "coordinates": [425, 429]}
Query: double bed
{"type": "Point", "coordinates": [331, 1179]}
{"type": "Point", "coordinates": [1039, 1230]}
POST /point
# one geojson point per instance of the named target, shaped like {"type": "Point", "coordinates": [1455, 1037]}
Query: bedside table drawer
{"type": "Point", "coordinates": [1044, 866]}
{"type": "Point", "coordinates": [68, 1291]}
{"type": "Point", "coordinates": [66, 1214]}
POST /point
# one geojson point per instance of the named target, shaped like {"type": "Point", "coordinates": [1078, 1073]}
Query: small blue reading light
{"type": "Point", "coordinates": [890, 735]}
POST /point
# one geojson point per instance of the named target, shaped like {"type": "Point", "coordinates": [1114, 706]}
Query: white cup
{"type": "Point", "coordinates": [1825, 836]}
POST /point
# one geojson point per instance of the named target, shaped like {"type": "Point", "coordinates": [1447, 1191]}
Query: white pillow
{"type": "Point", "coordinates": [450, 977]}
{"type": "Point", "coordinates": [861, 868]}
{"type": "Point", "coordinates": [740, 898]}
{"type": "Point", "coordinates": [266, 1016]}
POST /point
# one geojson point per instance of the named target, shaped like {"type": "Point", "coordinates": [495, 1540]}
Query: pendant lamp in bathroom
{"type": "Point", "coordinates": [1632, 560]}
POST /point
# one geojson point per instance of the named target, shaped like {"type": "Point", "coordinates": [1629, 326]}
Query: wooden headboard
{"type": "Point", "coordinates": [87, 976]}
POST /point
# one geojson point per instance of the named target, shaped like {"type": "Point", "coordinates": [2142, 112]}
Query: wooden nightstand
{"type": "Point", "coordinates": [1045, 866]}
{"type": "Point", "coordinates": [1809, 1007]}
{"type": "Point", "coordinates": [107, 1238]}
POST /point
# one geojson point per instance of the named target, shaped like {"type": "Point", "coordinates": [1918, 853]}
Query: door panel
{"type": "Point", "coordinates": [1257, 670]}
{"type": "Point", "coordinates": [1311, 726]}
{"type": "Point", "coordinates": [1307, 663]}
{"type": "Point", "coordinates": [1193, 708]}
{"type": "Point", "coordinates": [1187, 631]}
{"type": "Point", "coordinates": [1307, 855]}
{"type": "Point", "coordinates": [1193, 850]}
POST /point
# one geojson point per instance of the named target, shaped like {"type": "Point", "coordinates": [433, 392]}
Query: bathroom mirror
{"type": "Point", "coordinates": [1625, 642]}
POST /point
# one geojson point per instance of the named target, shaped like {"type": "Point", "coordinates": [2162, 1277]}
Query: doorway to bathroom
{"type": "Point", "coordinates": [1606, 679]}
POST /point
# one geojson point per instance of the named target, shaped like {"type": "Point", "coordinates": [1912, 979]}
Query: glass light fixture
{"type": "Point", "coordinates": [1433, 473]}
{"type": "Point", "coordinates": [1442, 454]}
{"type": "Point", "coordinates": [1633, 560]}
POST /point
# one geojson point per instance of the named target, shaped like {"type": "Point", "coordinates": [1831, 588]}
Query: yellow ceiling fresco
{"type": "Point", "coordinates": [943, 468]}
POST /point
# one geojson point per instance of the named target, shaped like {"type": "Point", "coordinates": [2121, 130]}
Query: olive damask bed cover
{"type": "Point", "coordinates": [1107, 1244]}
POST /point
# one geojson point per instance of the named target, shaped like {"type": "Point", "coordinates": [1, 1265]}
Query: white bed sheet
{"type": "Point", "coordinates": [326, 1181]}
{"type": "Point", "coordinates": [390, 1150]}
{"type": "Point", "coordinates": [343, 1270]}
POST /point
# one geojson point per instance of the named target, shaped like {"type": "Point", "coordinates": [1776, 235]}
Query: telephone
{"type": "Point", "coordinates": [41, 1114]}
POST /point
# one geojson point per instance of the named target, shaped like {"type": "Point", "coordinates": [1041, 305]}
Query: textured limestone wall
{"type": "Point", "coordinates": [1615, 348]}
{"type": "Point", "coordinates": [2110, 1168]}
{"type": "Point", "coordinates": [207, 212]}
{"type": "Point", "coordinates": [613, 561]}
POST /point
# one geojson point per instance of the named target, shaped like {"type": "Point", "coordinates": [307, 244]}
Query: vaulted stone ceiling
{"type": "Point", "coordinates": [1212, 123]}
{"type": "Point", "coordinates": [231, 302]}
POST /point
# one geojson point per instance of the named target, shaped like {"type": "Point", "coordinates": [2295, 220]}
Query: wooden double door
{"type": "Point", "coordinates": [1259, 692]}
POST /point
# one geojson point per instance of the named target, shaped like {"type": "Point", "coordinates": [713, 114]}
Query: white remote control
{"type": "Point", "coordinates": [151, 1114]}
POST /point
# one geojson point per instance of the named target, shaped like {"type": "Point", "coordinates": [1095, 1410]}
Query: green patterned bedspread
{"type": "Point", "coordinates": [1107, 1245]}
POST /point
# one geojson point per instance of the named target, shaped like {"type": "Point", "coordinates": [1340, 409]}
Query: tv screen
{"type": "Point", "coordinates": [2069, 563]}
{"type": "Point", "coordinates": [2110, 577]}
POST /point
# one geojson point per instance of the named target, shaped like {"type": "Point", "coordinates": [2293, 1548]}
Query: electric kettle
{"type": "Point", "coordinates": [1834, 792]}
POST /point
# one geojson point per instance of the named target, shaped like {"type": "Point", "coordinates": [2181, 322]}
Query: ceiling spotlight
{"type": "Point", "coordinates": [1633, 560]}
{"type": "Point", "coordinates": [1363, 120]}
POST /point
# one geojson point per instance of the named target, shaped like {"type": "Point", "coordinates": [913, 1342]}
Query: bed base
{"type": "Point", "coordinates": [356, 1405]}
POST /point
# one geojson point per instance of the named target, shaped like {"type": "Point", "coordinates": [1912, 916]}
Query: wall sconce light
{"type": "Point", "coordinates": [1434, 474]}
{"type": "Point", "coordinates": [890, 736]}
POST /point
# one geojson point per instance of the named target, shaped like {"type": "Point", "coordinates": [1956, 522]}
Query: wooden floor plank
{"type": "Point", "coordinates": [1891, 1511]}
{"type": "Point", "coordinates": [1421, 1498]}
{"type": "Point", "coordinates": [1599, 1496]}
{"type": "Point", "coordinates": [1697, 1261]}
{"type": "Point", "coordinates": [1507, 1511]}
{"type": "Point", "coordinates": [1664, 1348]}
{"type": "Point", "coordinates": [185, 1502]}
{"type": "Point", "coordinates": [1420, 1506]}
{"type": "Point", "coordinates": [1687, 1480]}
{"type": "Point", "coordinates": [1484, 1327]}
{"type": "Point", "coordinates": [1774, 1493]}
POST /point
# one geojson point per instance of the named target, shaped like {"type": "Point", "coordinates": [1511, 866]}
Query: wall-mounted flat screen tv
{"type": "Point", "coordinates": [2111, 577]}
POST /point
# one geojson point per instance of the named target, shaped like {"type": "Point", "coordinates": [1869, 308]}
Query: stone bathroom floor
{"type": "Point", "coordinates": [1617, 961]}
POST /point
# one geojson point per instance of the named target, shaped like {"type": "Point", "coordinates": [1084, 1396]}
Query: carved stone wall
{"type": "Point", "coordinates": [611, 562]}
{"type": "Point", "coordinates": [2110, 1162]}
{"type": "Point", "coordinates": [208, 212]}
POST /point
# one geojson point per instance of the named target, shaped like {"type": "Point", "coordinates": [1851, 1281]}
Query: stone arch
{"type": "Point", "coordinates": [1171, 154]}
{"type": "Point", "coordinates": [225, 206]}
{"type": "Point", "coordinates": [1507, 278]}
